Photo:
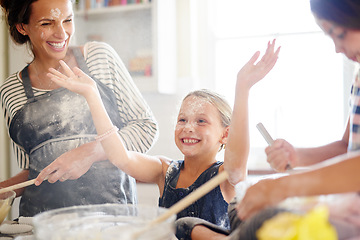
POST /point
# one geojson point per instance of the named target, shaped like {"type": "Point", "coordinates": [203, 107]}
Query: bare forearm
{"type": "Point", "coordinates": [237, 149]}
{"type": "Point", "coordinates": [337, 175]}
{"type": "Point", "coordinates": [111, 144]}
{"type": "Point", "coordinates": [100, 117]}
{"type": "Point", "coordinates": [310, 156]}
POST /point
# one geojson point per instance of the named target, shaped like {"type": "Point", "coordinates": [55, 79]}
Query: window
{"type": "Point", "coordinates": [303, 99]}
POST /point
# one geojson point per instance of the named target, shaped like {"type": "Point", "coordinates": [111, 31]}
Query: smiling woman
{"type": "Point", "coordinates": [51, 128]}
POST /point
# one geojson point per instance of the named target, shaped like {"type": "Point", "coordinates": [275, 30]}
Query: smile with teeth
{"type": "Point", "coordinates": [190, 140]}
{"type": "Point", "coordinates": [57, 45]}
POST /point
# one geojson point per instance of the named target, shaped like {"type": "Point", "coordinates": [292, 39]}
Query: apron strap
{"type": "Point", "coordinates": [80, 60]}
{"type": "Point", "coordinates": [27, 84]}
{"type": "Point", "coordinates": [82, 64]}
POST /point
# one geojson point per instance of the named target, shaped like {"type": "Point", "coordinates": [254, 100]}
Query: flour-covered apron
{"type": "Point", "coordinates": [56, 122]}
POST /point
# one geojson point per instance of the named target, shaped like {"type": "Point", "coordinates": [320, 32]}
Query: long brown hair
{"type": "Point", "coordinates": [345, 13]}
{"type": "Point", "coordinates": [17, 11]}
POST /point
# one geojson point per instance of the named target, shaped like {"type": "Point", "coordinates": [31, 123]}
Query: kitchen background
{"type": "Point", "coordinates": [174, 46]}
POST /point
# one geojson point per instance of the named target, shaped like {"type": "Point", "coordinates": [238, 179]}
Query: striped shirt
{"type": "Point", "coordinates": [140, 127]}
{"type": "Point", "coordinates": [354, 133]}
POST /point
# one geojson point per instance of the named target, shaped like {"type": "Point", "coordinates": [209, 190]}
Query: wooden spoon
{"type": "Point", "coordinates": [17, 186]}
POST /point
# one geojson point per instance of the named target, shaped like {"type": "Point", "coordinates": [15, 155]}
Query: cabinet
{"type": "Point", "coordinates": [143, 35]}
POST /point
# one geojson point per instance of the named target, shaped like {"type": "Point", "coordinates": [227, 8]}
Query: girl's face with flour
{"type": "Point", "coordinates": [199, 132]}
{"type": "Point", "coordinates": [50, 28]}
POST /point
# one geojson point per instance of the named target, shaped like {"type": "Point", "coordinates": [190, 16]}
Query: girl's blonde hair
{"type": "Point", "coordinates": [218, 101]}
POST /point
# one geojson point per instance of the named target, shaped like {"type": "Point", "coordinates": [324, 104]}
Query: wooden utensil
{"type": "Point", "coordinates": [185, 202]}
{"type": "Point", "coordinates": [17, 186]}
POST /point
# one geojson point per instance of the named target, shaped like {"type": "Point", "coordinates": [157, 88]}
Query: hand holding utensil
{"type": "Point", "coordinates": [269, 139]}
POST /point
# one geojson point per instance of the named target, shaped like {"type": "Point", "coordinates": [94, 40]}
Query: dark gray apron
{"type": "Point", "coordinates": [51, 124]}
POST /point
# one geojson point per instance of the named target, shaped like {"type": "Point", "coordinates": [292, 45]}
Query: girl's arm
{"type": "Point", "coordinates": [140, 166]}
{"type": "Point", "coordinates": [138, 133]}
{"type": "Point", "coordinates": [140, 127]}
{"type": "Point", "coordinates": [237, 147]}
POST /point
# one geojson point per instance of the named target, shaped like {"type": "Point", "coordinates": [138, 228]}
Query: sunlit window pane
{"type": "Point", "coordinates": [234, 18]}
{"type": "Point", "coordinates": [302, 99]}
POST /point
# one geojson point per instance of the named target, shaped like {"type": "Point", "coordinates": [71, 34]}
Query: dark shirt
{"type": "Point", "coordinates": [212, 207]}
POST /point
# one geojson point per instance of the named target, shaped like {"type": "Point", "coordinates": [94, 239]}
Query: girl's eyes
{"type": "Point", "coordinates": [200, 121]}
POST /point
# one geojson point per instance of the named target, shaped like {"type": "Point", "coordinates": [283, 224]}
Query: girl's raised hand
{"type": "Point", "coordinates": [251, 73]}
{"type": "Point", "coordinates": [75, 80]}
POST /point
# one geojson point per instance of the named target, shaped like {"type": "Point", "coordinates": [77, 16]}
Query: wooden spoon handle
{"type": "Point", "coordinates": [192, 197]}
{"type": "Point", "coordinates": [185, 202]}
{"type": "Point", "coordinates": [17, 186]}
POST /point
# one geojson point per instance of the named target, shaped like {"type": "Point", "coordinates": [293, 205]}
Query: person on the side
{"type": "Point", "coordinates": [51, 125]}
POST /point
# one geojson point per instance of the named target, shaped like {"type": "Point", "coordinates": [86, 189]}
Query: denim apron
{"type": "Point", "coordinates": [212, 207]}
{"type": "Point", "coordinates": [56, 122]}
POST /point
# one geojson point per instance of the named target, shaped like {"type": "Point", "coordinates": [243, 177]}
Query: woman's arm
{"type": "Point", "coordinates": [319, 154]}
{"type": "Point", "coordinates": [337, 175]}
{"type": "Point", "coordinates": [280, 153]}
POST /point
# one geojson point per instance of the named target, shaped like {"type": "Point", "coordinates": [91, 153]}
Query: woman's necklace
{"type": "Point", "coordinates": [42, 83]}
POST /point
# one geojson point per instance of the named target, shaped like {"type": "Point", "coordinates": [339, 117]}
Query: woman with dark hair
{"type": "Point", "coordinates": [341, 21]}
{"type": "Point", "coordinates": [51, 127]}
{"type": "Point", "coordinates": [338, 164]}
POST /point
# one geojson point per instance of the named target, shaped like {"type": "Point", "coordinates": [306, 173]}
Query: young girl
{"type": "Point", "coordinates": [203, 128]}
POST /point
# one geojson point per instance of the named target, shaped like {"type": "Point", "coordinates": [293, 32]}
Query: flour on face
{"type": "Point", "coordinates": [55, 13]}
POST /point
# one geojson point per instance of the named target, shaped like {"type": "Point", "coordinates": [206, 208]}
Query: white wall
{"type": "Point", "coordinates": [4, 159]}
